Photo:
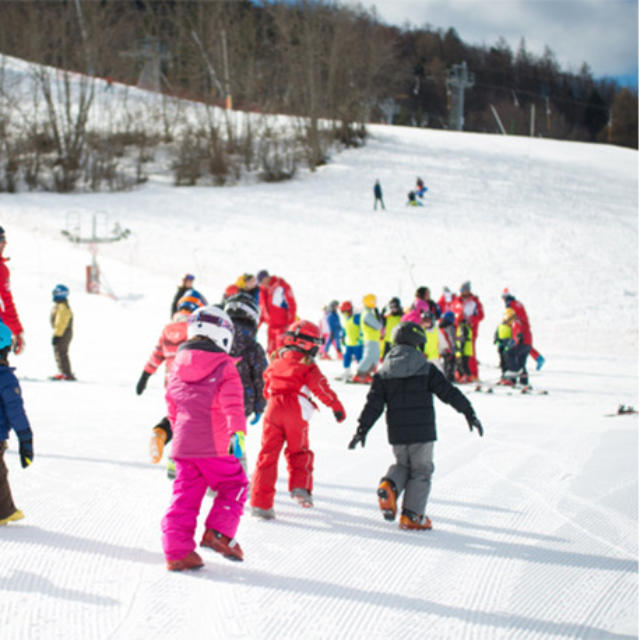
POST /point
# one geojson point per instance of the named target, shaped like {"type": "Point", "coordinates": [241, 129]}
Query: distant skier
{"type": "Point", "coordinates": [335, 332]}
{"type": "Point", "coordinates": [469, 306]}
{"type": "Point", "coordinates": [12, 416]}
{"type": "Point", "coordinates": [405, 386]}
{"type": "Point", "coordinates": [291, 380]}
{"type": "Point", "coordinates": [185, 285]}
{"type": "Point", "coordinates": [371, 325]}
{"type": "Point", "coordinates": [511, 303]}
{"type": "Point", "coordinates": [8, 312]}
{"type": "Point", "coordinates": [245, 314]}
{"type": "Point", "coordinates": [421, 189]}
{"type": "Point", "coordinates": [206, 409]}
{"type": "Point", "coordinates": [392, 316]}
{"type": "Point", "coordinates": [515, 352]}
{"type": "Point", "coordinates": [277, 306]}
{"type": "Point", "coordinates": [61, 319]}
{"type": "Point", "coordinates": [377, 195]}
{"type": "Point", "coordinates": [352, 338]}
{"type": "Point", "coordinates": [173, 335]}
{"type": "Point", "coordinates": [411, 200]}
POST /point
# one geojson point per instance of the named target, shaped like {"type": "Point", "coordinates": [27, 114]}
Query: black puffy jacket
{"type": "Point", "coordinates": [251, 366]}
{"type": "Point", "coordinates": [405, 384]}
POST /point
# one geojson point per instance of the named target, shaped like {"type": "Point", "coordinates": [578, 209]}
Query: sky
{"type": "Point", "coordinates": [602, 33]}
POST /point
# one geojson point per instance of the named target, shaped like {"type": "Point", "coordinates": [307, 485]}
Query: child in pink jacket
{"type": "Point", "coordinates": [205, 401]}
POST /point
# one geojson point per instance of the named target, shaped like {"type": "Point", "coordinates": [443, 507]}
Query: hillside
{"type": "Point", "coordinates": [535, 525]}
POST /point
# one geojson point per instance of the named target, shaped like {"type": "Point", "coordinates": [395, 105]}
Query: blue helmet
{"type": "Point", "coordinates": [191, 300]}
{"type": "Point", "coordinates": [60, 293]}
{"type": "Point", "coordinates": [5, 336]}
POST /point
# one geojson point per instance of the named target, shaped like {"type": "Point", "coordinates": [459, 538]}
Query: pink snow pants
{"type": "Point", "coordinates": [193, 476]}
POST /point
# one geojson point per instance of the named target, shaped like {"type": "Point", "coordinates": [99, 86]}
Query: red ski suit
{"type": "Point", "coordinates": [278, 309]}
{"type": "Point", "coordinates": [172, 336]}
{"type": "Point", "coordinates": [289, 382]}
{"type": "Point", "coordinates": [8, 312]}
{"type": "Point", "coordinates": [521, 314]}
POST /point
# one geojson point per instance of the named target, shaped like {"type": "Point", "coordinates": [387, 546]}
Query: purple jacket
{"type": "Point", "coordinates": [205, 401]}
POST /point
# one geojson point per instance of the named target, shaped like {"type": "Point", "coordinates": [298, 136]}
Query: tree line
{"type": "Point", "coordinates": [320, 62]}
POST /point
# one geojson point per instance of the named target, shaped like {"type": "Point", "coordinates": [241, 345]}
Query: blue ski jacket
{"type": "Point", "coordinates": [12, 415]}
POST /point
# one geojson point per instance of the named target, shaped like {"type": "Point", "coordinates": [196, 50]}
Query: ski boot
{"type": "Point", "coordinates": [265, 514]}
{"type": "Point", "coordinates": [412, 521]}
{"type": "Point", "coordinates": [387, 497]}
{"type": "Point", "coordinates": [303, 497]}
{"type": "Point", "coordinates": [16, 515]}
{"type": "Point", "coordinates": [190, 561]}
{"type": "Point", "coordinates": [156, 445]}
{"type": "Point", "coordinates": [224, 545]}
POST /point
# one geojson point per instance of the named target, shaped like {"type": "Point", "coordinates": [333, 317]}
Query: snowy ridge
{"type": "Point", "coordinates": [535, 525]}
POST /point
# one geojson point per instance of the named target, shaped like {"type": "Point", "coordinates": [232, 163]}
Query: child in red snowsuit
{"type": "Point", "coordinates": [290, 380]}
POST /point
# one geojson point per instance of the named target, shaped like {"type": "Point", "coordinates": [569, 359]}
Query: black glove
{"type": "Point", "coordinates": [474, 423]}
{"type": "Point", "coordinates": [142, 383]}
{"type": "Point", "coordinates": [339, 414]}
{"type": "Point", "coordinates": [26, 450]}
{"type": "Point", "coordinates": [359, 437]}
{"type": "Point", "coordinates": [56, 340]}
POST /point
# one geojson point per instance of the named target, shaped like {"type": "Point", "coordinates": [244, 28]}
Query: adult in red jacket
{"type": "Point", "coordinates": [277, 307]}
{"type": "Point", "coordinates": [511, 303]}
{"type": "Point", "coordinates": [469, 306]}
{"type": "Point", "coordinates": [290, 380]}
{"type": "Point", "coordinates": [8, 312]}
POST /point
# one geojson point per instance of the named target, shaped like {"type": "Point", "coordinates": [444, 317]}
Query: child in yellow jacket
{"type": "Point", "coordinates": [62, 323]}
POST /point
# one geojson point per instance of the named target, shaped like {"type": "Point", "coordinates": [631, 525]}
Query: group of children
{"type": "Point", "coordinates": [209, 400]}
{"type": "Point", "coordinates": [366, 335]}
{"type": "Point", "coordinates": [218, 376]}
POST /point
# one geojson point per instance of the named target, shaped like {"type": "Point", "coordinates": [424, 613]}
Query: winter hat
{"type": "Point", "coordinates": [369, 301]}
{"type": "Point", "coordinates": [1, 233]}
{"type": "Point", "coordinates": [262, 274]}
{"type": "Point", "coordinates": [465, 287]}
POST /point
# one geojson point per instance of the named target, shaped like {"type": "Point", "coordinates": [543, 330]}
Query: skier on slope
{"type": "Point", "coordinates": [245, 314]}
{"type": "Point", "coordinates": [277, 306]}
{"type": "Point", "coordinates": [405, 385]}
{"type": "Point", "coordinates": [61, 319]}
{"type": "Point", "coordinates": [290, 380]}
{"type": "Point", "coordinates": [206, 411]}
{"type": "Point", "coordinates": [511, 303]}
{"type": "Point", "coordinates": [173, 335]}
{"type": "Point", "coordinates": [8, 312]}
{"type": "Point", "coordinates": [469, 305]}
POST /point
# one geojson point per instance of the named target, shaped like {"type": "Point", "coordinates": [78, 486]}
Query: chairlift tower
{"type": "Point", "coordinates": [73, 233]}
{"type": "Point", "coordinates": [152, 52]}
{"type": "Point", "coordinates": [459, 79]}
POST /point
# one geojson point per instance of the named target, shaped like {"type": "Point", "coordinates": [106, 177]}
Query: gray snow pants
{"type": "Point", "coordinates": [412, 474]}
{"type": "Point", "coordinates": [370, 358]}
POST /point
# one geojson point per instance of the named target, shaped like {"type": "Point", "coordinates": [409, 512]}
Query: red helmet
{"type": "Point", "coordinates": [346, 307]}
{"type": "Point", "coordinates": [303, 336]}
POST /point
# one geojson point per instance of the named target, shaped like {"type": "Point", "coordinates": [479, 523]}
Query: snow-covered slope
{"type": "Point", "coordinates": [535, 525]}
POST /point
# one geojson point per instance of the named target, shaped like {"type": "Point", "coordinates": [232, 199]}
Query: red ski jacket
{"type": "Point", "coordinates": [8, 312]}
{"type": "Point", "coordinates": [523, 319]}
{"type": "Point", "coordinates": [277, 303]}
{"type": "Point", "coordinates": [290, 373]}
{"type": "Point", "coordinates": [172, 336]}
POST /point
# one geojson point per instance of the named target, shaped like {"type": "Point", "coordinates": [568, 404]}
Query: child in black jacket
{"type": "Point", "coordinates": [405, 384]}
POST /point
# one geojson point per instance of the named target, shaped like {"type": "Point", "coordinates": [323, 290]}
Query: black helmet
{"type": "Point", "coordinates": [242, 306]}
{"type": "Point", "coordinates": [409, 333]}
{"type": "Point", "coordinates": [394, 304]}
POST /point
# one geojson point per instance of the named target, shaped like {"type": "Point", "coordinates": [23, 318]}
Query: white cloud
{"type": "Point", "coordinates": [602, 33]}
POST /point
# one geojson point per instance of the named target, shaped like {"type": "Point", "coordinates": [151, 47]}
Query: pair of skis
{"type": "Point", "coordinates": [510, 389]}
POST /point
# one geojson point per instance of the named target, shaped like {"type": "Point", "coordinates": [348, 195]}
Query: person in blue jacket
{"type": "Point", "coordinates": [12, 416]}
{"type": "Point", "coordinates": [336, 332]}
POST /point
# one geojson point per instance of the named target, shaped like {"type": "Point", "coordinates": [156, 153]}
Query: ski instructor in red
{"type": "Point", "coordinates": [8, 312]}
{"type": "Point", "coordinates": [277, 307]}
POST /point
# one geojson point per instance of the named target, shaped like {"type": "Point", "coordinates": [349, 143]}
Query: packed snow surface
{"type": "Point", "coordinates": [535, 525]}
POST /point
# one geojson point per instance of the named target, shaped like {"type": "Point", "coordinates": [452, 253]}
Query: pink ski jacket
{"type": "Point", "coordinates": [205, 401]}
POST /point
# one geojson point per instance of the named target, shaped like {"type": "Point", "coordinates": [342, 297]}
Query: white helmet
{"type": "Point", "coordinates": [213, 323]}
